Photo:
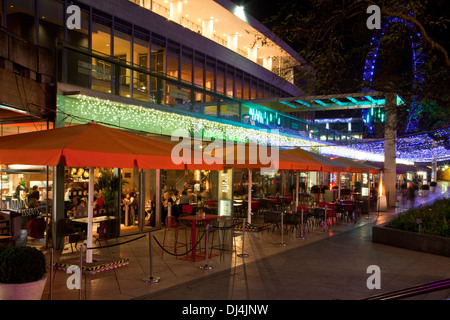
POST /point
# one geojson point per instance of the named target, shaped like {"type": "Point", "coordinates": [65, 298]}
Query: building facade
{"type": "Point", "coordinates": [151, 66]}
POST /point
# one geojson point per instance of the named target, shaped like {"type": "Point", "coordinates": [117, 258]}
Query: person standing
{"type": "Point", "coordinates": [33, 197]}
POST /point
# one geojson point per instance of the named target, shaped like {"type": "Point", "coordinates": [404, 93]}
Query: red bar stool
{"type": "Point", "coordinates": [172, 224]}
{"type": "Point", "coordinates": [331, 212]}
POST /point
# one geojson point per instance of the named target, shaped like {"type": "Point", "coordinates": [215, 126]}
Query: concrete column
{"type": "Point", "coordinates": [58, 185]}
{"type": "Point", "coordinates": [58, 205]}
{"type": "Point", "coordinates": [232, 42]}
{"type": "Point", "coordinates": [208, 28]}
{"type": "Point", "coordinates": [176, 11]}
{"type": "Point", "coordinates": [267, 63]}
{"type": "Point", "coordinates": [390, 139]}
{"type": "Point", "coordinates": [252, 53]}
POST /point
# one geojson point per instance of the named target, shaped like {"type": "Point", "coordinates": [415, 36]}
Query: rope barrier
{"type": "Point", "coordinates": [178, 255]}
{"type": "Point", "coordinates": [116, 244]}
{"type": "Point", "coordinates": [197, 243]}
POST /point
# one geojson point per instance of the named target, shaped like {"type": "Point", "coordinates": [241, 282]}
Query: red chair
{"type": "Point", "coordinates": [322, 204]}
{"type": "Point", "coordinates": [304, 208]}
{"type": "Point", "coordinates": [210, 203]}
{"type": "Point", "coordinates": [187, 209]}
{"type": "Point", "coordinates": [331, 212]}
{"type": "Point", "coordinates": [172, 224]}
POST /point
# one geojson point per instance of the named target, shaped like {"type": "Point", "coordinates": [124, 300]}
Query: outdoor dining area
{"type": "Point", "coordinates": [296, 192]}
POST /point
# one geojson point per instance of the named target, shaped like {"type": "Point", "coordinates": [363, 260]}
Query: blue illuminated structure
{"type": "Point", "coordinates": [417, 59]}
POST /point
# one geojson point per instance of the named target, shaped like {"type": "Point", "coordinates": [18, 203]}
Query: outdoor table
{"type": "Point", "coordinates": [194, 219]}
{"type": "Point", "coordinates": [94, 220]}
{"type": "Point", "coordinates": [238, 207]}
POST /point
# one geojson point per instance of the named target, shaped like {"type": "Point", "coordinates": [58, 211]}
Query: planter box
{"type": "Point", "coordinates": [411, 240]}
{"type": "Point", "coordinates": [23, 291]}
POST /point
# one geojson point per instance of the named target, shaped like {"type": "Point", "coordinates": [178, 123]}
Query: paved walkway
{"type": "Point", "coordinates": [324, 266]}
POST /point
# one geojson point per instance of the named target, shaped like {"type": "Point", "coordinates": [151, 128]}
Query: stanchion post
{"type": "Point", "coordinates": [151, 278]}
{"type": "Point", "coordinates": [51, 274]}
{"type": "Point", "coordinates": [81, 269]}
{"type": "Point", "coordinates": [283, 244]}
{"type": "Point", "coordinates": [243, 255]}
{"type": "Point", "coordinates": [302, 236]}
{"type": "Point", "coordinates": [206, 267]}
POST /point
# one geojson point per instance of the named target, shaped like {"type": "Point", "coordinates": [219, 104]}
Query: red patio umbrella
{"type": "Point", "coordinates": [94, 145]}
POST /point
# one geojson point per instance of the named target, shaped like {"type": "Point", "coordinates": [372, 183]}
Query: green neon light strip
{"type": "Point", "coordinates": [321, 103]}
{"type": "Point", "coordinates": [289, 104]}
{"type": "Point", "coordinates": [303, 103]}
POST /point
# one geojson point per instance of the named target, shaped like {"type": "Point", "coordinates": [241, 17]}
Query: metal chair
{"type": "Point", "coordinates": [273, 218]}
{"type": "Point", "coordinates": [66, 229]}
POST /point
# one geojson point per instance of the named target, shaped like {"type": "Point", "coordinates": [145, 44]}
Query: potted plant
{"type": "Point", "coordinates": [433, 186]}
{"type": "Point", "coordinates": [425, 190]}
{"type": "Point", "coordinates": [110, 185]}
{"type": "Point", "coordinates": [22, 273]}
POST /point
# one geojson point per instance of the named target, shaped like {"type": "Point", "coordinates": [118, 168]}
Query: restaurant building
{"type": "Point", "coordinates": [148, 66]}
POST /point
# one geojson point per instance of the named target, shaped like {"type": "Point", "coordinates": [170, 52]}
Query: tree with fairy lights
{"type": "Point", "coordinates": [332, 37]}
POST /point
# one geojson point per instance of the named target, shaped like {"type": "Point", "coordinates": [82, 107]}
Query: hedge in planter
{"type": "Point", "coordinates": [435, 219]}
{"type": "Point", "coordinates": [22, 264]}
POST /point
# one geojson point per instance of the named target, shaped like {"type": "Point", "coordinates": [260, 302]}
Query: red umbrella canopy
{"type": "Point", "coordinates": [358, 166]}
{"type": "Point", "coordinates": [88, 145]}
{"type": "Point", "coordinates": [322, 163]}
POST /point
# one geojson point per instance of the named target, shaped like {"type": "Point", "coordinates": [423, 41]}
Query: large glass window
{"type": "Point", "coordinates": [158, 56]}
{"type": "Point", "coordinates": [186, 65]}
{"type": "Point", "coordinates": [51, 22]}
{"type": "Point", "coordinates": [21, 18]}
{"type": "Point", "coordinates": [246, 87]}
{"type": "Point", "coordinates": [229, 109]}
{"type": "Point", "coordinates": [141, 52]}
{"type": "Point", "coordinates": [238, 84]}
{"type": "Point", "coordinates": [101, 44]}
{"type": "Point", "coordinates": [253, 88]}
{"type": "Point", "coordinates": [260, 93]}
{"type": "Point", "coordinates": [122, 54]}
{"type": "Point", "coordinates": [210, 73]}
{"type": "Point", "coordinates": [173, 60]}
{"type": "Point", "coordinates": [230, 82]}
{"type": "Point", "coordinates": [199, 69]}
{"type": "Point", "coordinates": [220, 79]}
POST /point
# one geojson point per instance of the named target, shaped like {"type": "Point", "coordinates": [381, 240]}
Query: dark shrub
{"type": "Point", "coordinates": [21, 264]}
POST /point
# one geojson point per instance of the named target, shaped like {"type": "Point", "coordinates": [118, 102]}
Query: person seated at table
{"type": "Point", "coordinates": [192, 197]}
{"type": "Point", "coordinates": [184, 198]}
{"type": "Point", "coordinates": [79, 208]}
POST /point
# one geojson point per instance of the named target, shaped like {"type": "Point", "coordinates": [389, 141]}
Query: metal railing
{"type": "Point", "coordinates": [412, 291]}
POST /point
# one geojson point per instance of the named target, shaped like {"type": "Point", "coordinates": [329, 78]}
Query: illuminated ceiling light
{"type": "Point", "coordinates": [240, 13]}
